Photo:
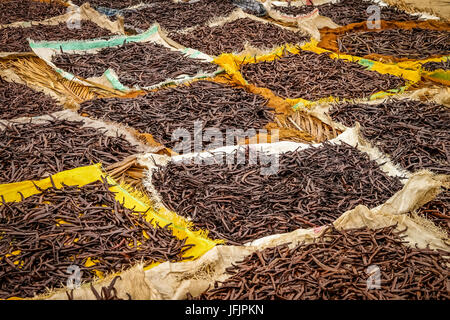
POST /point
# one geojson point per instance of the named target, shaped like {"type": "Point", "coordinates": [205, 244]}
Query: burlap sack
{"type": "Point", "coordinates": [173, 281]}
{"type": "Point", "coordinates": [311, 22]}
{"type": "Point", "coordinates": [440, 96]}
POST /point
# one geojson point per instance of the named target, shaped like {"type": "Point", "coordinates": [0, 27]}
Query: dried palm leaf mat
{"type": "Point", "coordinates": [31, 151]}
{"type": "Point", "coordinates": [35, 71]}
{"type": "Point", "coordinates": [345, 12]}
{"type": "Point", "coordinates": [173, 16]}
{"type": "Point", "coordinates": [415, 134]}
{"type": "Point", "coordinates": [302, 121]}
{"type": "Point", "coordinates": [18, 100]}
{"type": "Point", "coordinates": [29, 10]}
{"type": "Point", "coordinates": [232, 37]}
{"type": "Point", "coordinates": [136, 64]}
{"type": "Point", "coordinates": [239, 203]}
{"type": "Point", "coordinates": [129, 172]}
{"type": "Point", "coordinates": [339, 265]}
{"type": "Point", "coordinates": [313, 76]}
{"type": "Point", "coordinates": [46, 233]}
{"type": "Point", "coordinates": [15, 39]}
{"type": "Point", "coordinates": [209, 104]}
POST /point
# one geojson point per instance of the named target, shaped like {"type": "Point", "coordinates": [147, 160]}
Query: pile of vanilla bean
{"type": "Point", "coordinates": [29, 10]}
{"type": "Point", "coordinates": [32, 151]}
{"type": "Point", "coordinates": [354, 264]}
{"type": "Point", "coordinates": [414, 134]}
{"type": "Point", "coordinates": [15, 39]}
{"type": "Point", "coordinates": [433, 66]}
{"type": "Point", "coordinates": [173, 16]}
{"type": "Point", "coordinates": [345, 12]}
{"type": "Point", "coordinates": [113, 4]}
{"type": "Point", "coordinates": [233, 36]}
{"type": "Point", "coordinates": [18, 100]}
{"type": "Point", "coordinates": [136, 64]}
{"type": "Point", "coordinates": [47, 236]}
{"type": "Point", "coordinates": [106, 292]}
{"type": "Point", "coordinates": [412, 43]}
{"type": "Point", "coordinates": [438, 210]}
{"type": "Point", "coordinates": [312, 76]}
{"type": "Point", "coordinates": [250, 196]}
{"type": "Point", "coordinates": [201, 105]}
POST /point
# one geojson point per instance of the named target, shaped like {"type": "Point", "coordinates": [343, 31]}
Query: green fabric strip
{"type": "Point", "coordinates": [443, 75]}
{"type": "Point", "coordinates": [366, 63]}
{"type": "Point", "coordinates": [112, 78]}
{"type": "Point", "coordinates": [92, 44]}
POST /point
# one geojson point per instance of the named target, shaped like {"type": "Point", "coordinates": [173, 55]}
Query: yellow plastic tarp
{"type": "Point", "coordinates": [439, 75]}
{"type": "Point", "coordinates": [81, 176]}
{"type": "Point", "coordinates": [232, 64]}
